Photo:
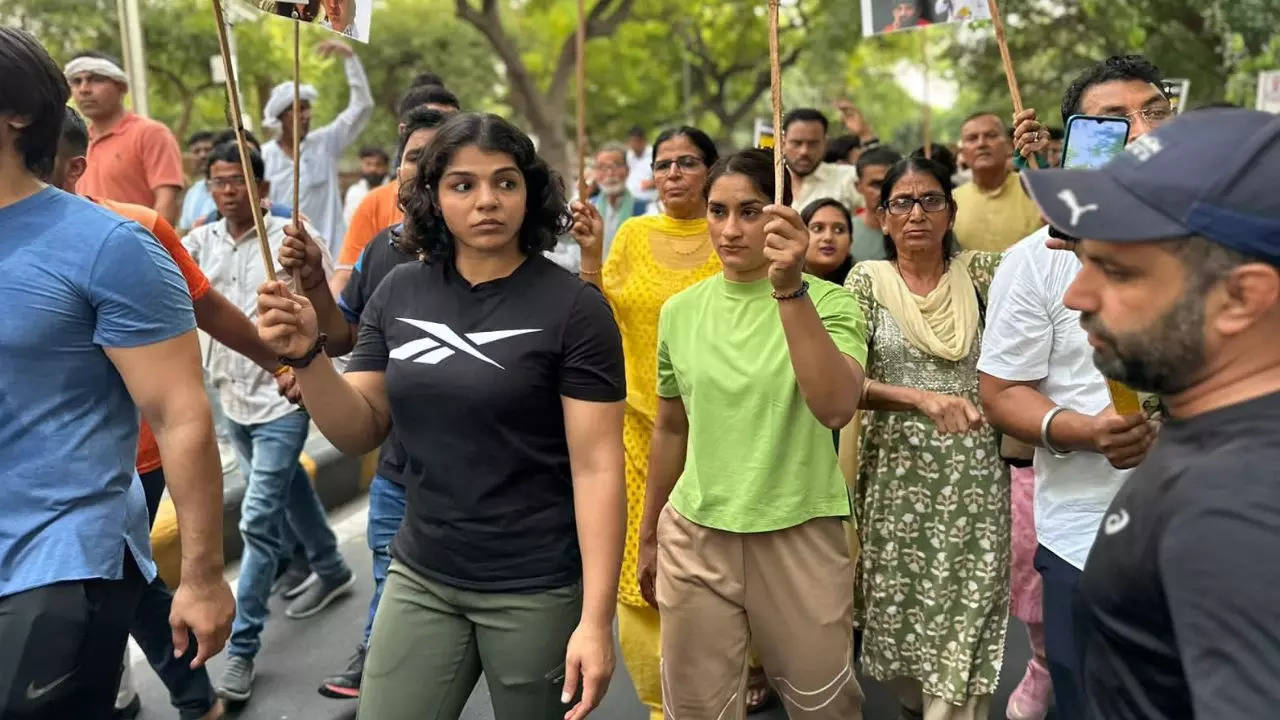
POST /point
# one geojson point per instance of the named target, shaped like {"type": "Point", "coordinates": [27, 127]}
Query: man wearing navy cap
{"type": "Point", "coordinates": [1180, 295]}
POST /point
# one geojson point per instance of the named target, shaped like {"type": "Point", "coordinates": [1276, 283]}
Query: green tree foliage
{"type": "Point", "coordinates": [654, 63]}
{"type": "Point", "coordinates": [410, 36]}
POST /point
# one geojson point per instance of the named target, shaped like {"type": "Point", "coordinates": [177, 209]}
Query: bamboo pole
{"type": "Point", "coordinates": [237, 123]}
{"type": "Point", "coordinates": [297, 110]}
{"type": "Point", "coordinates": [1003, 44]}
{"type": "Point", "coordinates": [926, 113]}
{"type": "Point", "coordinates": [581, 50]}
{"type": "Point", "coordinates": [775, 93]}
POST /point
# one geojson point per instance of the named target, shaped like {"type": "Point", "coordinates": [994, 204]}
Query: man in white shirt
{"type": "Point", "coordinates": [1035, 359]}
{"type": "Point", "coordinates": [640, 167]}
{"type": "Point", "coordinates": [318, 191]}
{"type": "Point", "coordinates": [268, 430]}
{"type": "Point", "coordinates": [1039, 384]}
{"type": "Point", "coordinates": [374, 165]}
{"type": "Point", "coordinates": [804, 144]}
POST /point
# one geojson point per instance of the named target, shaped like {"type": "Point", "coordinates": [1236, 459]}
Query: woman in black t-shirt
{"type": "Point", "coordinates": [503, 375]}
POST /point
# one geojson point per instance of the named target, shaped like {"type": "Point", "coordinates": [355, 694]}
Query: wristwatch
{"type": "Point", "coordinates": [306, 359]}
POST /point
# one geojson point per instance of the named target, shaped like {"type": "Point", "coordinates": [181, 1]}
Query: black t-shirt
{"type": "Point", "coordinates": [475, 377]}
{"type": "Point", "coordinates": [1181, 592]}
{"type": "Point", "coordinates": [379, 258]}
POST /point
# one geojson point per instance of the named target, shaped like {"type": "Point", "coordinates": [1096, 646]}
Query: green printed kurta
{"type": "Point", "coordinates": [932, 592]}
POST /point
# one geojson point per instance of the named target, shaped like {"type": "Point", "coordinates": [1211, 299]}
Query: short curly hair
{"type": "Point", "coordinates": [1116, 67]}
{"type": "Point", "coordinates": [546, 215]}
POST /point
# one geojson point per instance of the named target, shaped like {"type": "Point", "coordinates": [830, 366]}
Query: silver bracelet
{"type": "Point", "coordinates": [1044, 431]}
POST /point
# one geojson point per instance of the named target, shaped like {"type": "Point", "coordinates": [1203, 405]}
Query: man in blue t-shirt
{"type": "Point", "coordinates": [98, 326]}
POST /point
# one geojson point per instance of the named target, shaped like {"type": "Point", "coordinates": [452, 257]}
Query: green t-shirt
{"type": "Point", "coordinates": [757, 460]}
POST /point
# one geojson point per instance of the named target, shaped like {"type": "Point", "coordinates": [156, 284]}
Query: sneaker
{"type": "Point", "coordinates": [346, 684]}
{"type": "Point", "coordinates": [292, 587]}
{"type": "Point", "coordinates": [237, 680]}
{"type": "Point", "coordinates": [319, 595]}
{"type": "Point", "coordinates": [289, 576]}
{"type": "Point", "coordinates": [1030, 700]}
{"type": "Point", "coordinates": [129, 711]}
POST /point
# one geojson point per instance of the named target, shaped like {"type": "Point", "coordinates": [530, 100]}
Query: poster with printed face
{"type": "Point", "coordinates": [1269, 91]}
{"type": "Point", "coordinates": [348, 18]}
{"type": "Point", "coordinates": [886, 16]}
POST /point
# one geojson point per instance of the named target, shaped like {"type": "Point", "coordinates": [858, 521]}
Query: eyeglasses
{"type": "Point", "coordinates": [686, 163]}
{"type": "Point", "coordinates": [232, 181]}
{"type": "Point", "coordinates": [904, 205]}
{"type": "Point", "coordinates": [1154, 115]}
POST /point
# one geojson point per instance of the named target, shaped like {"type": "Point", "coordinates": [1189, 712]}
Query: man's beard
{"type": "Point", "coordinates": [802, 173]}
{"type": "Point", "coordinates": [612, 189]}
{"type": "Point", "coordinates": [1164, 358]}
{"type": "Point", "coordinates": [374, 179]}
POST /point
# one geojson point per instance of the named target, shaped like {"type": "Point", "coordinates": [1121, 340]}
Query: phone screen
{"type": "Point", "coordinates": [1093, 140]}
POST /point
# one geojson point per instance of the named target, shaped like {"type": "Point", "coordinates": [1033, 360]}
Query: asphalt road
{"type": "Point", "coordinates": [297, 654]}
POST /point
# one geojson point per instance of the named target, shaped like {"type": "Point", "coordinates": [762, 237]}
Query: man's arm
{"type": "Point", "coordinates": [228, 325]}
{"type": "Point", "coordinates": [351, 121]}
{"type": "Point", "coordinates": [166, 383]}
{"type": "Point", "coordinates": [167, 202]}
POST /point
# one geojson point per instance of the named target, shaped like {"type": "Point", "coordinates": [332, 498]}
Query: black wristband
{"type": "Point", "coordinates": [305, 360]}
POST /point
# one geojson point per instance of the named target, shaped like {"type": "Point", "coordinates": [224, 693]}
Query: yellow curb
{"type": "Point", "coordinates": [368, 466]}
{"type": "Point", "coordinates": [165, 545]}
{"type": "Point", "coordinates": [308, 464]}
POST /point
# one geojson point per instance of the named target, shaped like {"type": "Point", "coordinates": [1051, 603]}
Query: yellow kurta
{"type": "Point", "coordinates": [652, 258]}
{"type": "Point", "coordinates": [994, 221]}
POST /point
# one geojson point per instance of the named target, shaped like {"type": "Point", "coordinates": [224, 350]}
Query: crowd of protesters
{"type": "Point", "coordinates": [783, 437]}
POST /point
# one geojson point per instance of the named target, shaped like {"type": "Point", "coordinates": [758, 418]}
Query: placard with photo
{"type": "Point", "coordinates": [348, 18]}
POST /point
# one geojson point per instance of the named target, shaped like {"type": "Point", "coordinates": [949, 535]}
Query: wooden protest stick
{"type": "Point", "coordinates": [581, 49]}
{"type": "Point", "coordinates": [1004, 56]}
{"type": "Point", "coordinates": [926, 119]}
{"type": "Point", "coordinates": [775, 92]}
{"type": "Point", "coordinates": [237, 123]}
{"type": "Point", "coordinates": [297, 108]}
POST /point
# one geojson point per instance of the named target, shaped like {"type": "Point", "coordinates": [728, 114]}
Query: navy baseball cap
{"type": "Point", "coordinates": [1213, 173]}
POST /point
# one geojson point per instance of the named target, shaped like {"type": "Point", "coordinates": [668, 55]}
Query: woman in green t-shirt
{"type": "Point", "coordinates": [742, 542]}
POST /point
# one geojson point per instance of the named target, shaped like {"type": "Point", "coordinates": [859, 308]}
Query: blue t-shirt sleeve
{"type": "Point", "coordinates": [137, 292]}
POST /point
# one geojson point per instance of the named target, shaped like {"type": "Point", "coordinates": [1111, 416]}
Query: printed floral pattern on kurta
{"type": "Point", "coordinates": [932, 594]}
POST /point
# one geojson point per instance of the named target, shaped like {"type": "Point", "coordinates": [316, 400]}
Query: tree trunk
{"type": "Point", "coordinates": [543, 110]}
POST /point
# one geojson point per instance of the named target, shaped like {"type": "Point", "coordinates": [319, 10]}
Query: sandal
{"type": "Point", "coordinates": [760, 696]}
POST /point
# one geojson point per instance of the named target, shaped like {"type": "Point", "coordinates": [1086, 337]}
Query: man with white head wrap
{"type": "Point", "coordinates": [318, 191]}
{"type": "Point", "coordinates": [132, 159]}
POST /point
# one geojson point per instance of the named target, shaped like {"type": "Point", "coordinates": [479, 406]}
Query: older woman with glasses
{"type": "Point", "coordinates": [932, 499]}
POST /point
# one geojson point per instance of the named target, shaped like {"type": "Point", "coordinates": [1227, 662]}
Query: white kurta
{"type": "Point", "coordinates": [319, 198]}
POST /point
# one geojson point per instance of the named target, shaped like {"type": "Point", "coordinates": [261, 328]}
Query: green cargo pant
{"type": "Point", "coordinates": [431, 642]}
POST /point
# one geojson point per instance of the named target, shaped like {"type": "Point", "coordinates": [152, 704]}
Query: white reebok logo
{"type": "Point", "coordinates": [442, 342]}
{"type": "Point", "coordinates": [1116, 522]}
{"type": "Point", "coordinates": [1068, 197]}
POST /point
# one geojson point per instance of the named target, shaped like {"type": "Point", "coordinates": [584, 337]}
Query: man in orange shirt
{"type": "Point", "coordinates": [133, 159]}
{"type": "Point", "coordinates": [380, 208]}
{"type": "Point", "coordinates": [191, 690]}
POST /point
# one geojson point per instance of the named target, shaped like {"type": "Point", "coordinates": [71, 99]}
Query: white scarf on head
{"type": "Point", "coordinates": [96, 66]}
{"type": "Point", "coordinates": [282, 99]}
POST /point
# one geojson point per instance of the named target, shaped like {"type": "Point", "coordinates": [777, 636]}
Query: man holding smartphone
{"type": "Point", "coordinates": [1038, 382]}
{"type": "Point", "coordinates": [1180, 295]}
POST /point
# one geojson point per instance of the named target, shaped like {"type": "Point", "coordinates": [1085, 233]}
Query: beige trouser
{"type": "Point", "coordinates": [931, 707]}
{"type": "Point", "coordinates": [788, 594]}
